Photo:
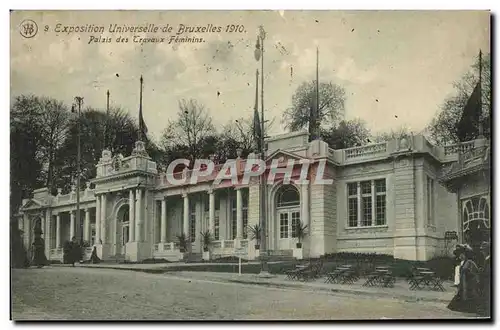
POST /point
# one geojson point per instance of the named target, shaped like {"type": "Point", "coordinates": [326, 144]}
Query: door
{"type": "Point", "coordinates": [125, 237]}
{"type": "Point", "coordinates": [287, 222]}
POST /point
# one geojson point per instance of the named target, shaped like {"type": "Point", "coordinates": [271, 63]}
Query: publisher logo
{"type": "Point", "coordinates": [28, 28]}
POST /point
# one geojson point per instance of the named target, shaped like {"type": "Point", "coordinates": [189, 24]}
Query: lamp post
{"type": "Point", "coordinates": [259, 55]}
{"type": "Point", "coordinates": [79, 102]}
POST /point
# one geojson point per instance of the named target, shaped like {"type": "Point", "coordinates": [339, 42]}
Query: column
{"type": "Point", "coordinates": [239, 214]}
{"type": "Point", "coordinates": [72, 225]}
{"type": "Point", "coordinates": [48, 233]}
{"type": "Point", "coordinates": [131, 205]}
{"type": "Point", "coordinates": [58, 230]}
{"type": "Point", "coordinates": [103, 219]}
{"type": "Point", "coordinates": [163, 228]}
{"type": "Point", "coordinates": [305, 204]}
{"type": "Point", "coordinates": [211, 211]}
{"type": "Point", "coordinates": [98, 220]}
{"type": "Point", "coordinates": [185, 217]}
{"type": "Point", "coordinates": [138, 219]}
{"type": "Point", "coordinates": [86, 225]}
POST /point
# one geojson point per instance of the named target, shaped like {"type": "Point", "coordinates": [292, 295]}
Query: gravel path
{"type": "Point", "coordinates": [104, 294]}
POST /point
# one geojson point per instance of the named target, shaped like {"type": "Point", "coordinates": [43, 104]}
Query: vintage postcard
{"type": "Point", "coordinates": [250, 165]}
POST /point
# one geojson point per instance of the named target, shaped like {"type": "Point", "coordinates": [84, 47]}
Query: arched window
{"type": "Point", "coordinates": [476, 220]}
{"type": "Point", "coordinates": [125, 214]}
{"type": "Point", "coordinates": [287, 196]}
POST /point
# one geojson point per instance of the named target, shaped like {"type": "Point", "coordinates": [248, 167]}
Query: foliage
{"type": "Point", "coordinates": [394, 134]}
{"type": "Point", "coordinates": [443, 128]}
{"type": "Point", "coordinates": [19, 257]}
{"type": "Point", "coordinates": [192, 126]}
{"type": "Point", "coordinates": [346, 134]}
{"type": "Point", "coordinates": [331, 106]}
{"type": "Point", "coordinates": [206, 239]}
{"type": "Point", "coordinates": [300, 231]}
{"type": "Point", "coordinates": [255, 232]}
{"type": "Point", "coordinates": [183, 241]}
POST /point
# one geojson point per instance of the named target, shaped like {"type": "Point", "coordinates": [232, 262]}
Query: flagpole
{"type": "Point", "coordinates": [140, 111]}
{"type": "Point", "coordinates": [79, 100]}
{"type": "Point", "coordinates": [256, 110]}
{"type": "Point", "coordinates": [106, 121]}
{"type": "Point", "coordinates": [316, 125]}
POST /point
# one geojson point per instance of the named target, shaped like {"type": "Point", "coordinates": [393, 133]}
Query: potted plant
{"type": "Point", "coordinates": [183, 242]}
{"type": "Point", "coordinates": [300, 233]}
{"type": "Point", "coordinates": [255, 234]}
{"type": "Point", "coordinates": [206, 241]}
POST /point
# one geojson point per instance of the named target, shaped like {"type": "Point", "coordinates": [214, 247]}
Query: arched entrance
{"type": "Point", "coordinates": [476, 220]}
{"type": "Point", "coordinates": [287, 216]}
{"type": "Point", "coordinates": [122, 228]}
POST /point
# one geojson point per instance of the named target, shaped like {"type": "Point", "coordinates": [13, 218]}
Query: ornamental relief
{"type": "Point", "coordinates": [365, 230]}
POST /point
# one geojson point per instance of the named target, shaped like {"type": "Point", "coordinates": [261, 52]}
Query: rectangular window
{"type": "Point", "coordinates": [245, 222]}
{"type": "Point", "coordinates": [192, 223]}
{"type": "Point", "coordinates": [283, 225]}
{"type": "Point", "coordinates": [352, 201]}
{"type": "Point", "coordinates": [367, 211]}
{"type": "Point", "coordinates": [233, 216]}
{"type": "Point", "coordinates": [216, 225]}
{"type": "Point", "coordinates": [380, 202]}
{"type": "Point", "coordinates": [366, 199]}
{"type": "Point", "coordinates": [295, 223]}
{"type": "Point", "coordinates": [430, 201]}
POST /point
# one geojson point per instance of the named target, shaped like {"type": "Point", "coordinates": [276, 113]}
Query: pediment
{"type": "Point", "coordinates": [32, 204]}
{"type": "Point", "coordinates": [282, 156]}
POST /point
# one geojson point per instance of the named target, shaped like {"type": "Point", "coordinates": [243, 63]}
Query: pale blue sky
{"type": "Point", "coordinates": [405, 60]}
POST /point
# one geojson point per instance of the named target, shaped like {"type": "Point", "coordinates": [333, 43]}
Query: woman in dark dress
{"type": "Point", "coordinates": [467, 295]}
{"type": "Point", "coordinates": [39, 258]}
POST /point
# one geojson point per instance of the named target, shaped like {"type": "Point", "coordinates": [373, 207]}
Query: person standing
{"type": "Point", "coordinates": [75, 251]}
{"type": "Point", "coordinates": [458, 264]}
{"type": "Point", "coordinates": [466, 298]}
{"type": "Point", "coordinates": [485, 280]}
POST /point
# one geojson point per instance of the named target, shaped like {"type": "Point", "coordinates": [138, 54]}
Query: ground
{"type": "Point", "coordinates": [104, 294]}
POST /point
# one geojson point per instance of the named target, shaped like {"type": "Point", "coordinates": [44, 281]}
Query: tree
{"type": "Point", "coordinates": [346, 134]}
{"type": "Point", "coordinates": [443, 127]}
{"type": "Point", "coordinates": [192, 126]}
{"type": "Point", "coordinates": [394, 134]}
{"type": "Point", "coordinates": [36, 129]}
{"type": "Point", "coordinates": [331, 106]}
{"type": "Point", "coordinates": [121, 133]}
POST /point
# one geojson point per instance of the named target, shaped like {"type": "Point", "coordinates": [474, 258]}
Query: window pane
{"type": "Point", "coordinates": [366, 187]}
{"type": "Point", "coordinates": [352, 189]}
{"type": "Point", "coordinates": [216, 225]}
{"type": "Point", "coordinates": [283, 225]}
{"type": "Point", "coordinates": [380, 211]}
{"type": "Point", "coordinates": [353, 212]}
{"type": "Point", "coordinates": [367, 211]}
{"type": "Point", "coordinates": [245, 222]}
{"type": "Point", "coordinates": [233, 223]}
{"type": "Point", "coordinates": [288, 196]}
{"type": "Point", "coordinates": [380, 186]}
{"type": "Point", "coordinates": [295, 223]}
{"type": "Point", "coordinates": [192, 233]}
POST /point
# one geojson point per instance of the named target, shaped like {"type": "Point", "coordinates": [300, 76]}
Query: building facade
{"type": "Point", "coordinates": [382, 198]}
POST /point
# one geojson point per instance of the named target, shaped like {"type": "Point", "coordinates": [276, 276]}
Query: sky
{"type": "Point", "coordinates": [396, 67]}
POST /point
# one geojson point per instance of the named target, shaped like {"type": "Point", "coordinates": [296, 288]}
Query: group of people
{"type": "Point", "coordinates": [472, 280]}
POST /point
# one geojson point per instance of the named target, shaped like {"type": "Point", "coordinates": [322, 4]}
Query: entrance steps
{"type": "Point", "coordinates": [280, 255]}
{"type": "Point", "coordinates": [118, 258]}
